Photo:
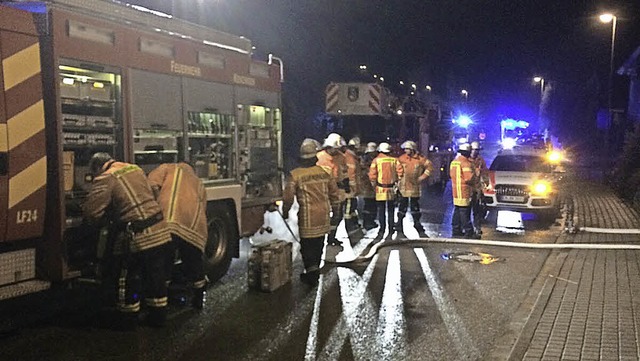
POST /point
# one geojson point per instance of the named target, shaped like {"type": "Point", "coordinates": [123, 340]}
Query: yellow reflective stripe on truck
{"type": "Point", "coordinates": [25, 124]}
{"type": "Point", "coordinates": [28, 181]}
{"type": "Point", "coordinates": [21, 66]}
{"type": "Point", "coordinates": [3, 138]}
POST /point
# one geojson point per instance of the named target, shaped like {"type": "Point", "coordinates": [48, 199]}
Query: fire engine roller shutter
{"type": "Point", "coordinates": [156, 100]}
{"type": "Point", "coordinates": [200, 95]}
{"type": "Point", "coordinates": [23, 161]}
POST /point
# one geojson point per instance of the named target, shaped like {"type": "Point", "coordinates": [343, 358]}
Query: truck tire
{"type": "Point", "coordinates": [222, 231]}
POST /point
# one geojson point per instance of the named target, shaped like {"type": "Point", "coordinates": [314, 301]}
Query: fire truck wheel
{"type": "Point", "coordinates": [217, 252]}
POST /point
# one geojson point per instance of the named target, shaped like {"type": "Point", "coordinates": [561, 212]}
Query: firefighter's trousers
{"type": "Point", "coordinates": [143, 273]}
{"type": "Point", "coordinates": [311, 249]}
{"type": "Point", "coordinates": [335, 220]}
{"type": "Point", "coordinates": [369, 211]}
{"type": "Point", "coordinates": [386, 215]}
{"type": "Point", "coordinates": [477, 211]}
{"type": "Point", "coordinates": [192, 261]}
{"type": "Point", "coordinates": [461, 221]}
{"type": "Point", "coordinates": [351, 214]}
{"type": "Point", "coordinates": [413, 203]}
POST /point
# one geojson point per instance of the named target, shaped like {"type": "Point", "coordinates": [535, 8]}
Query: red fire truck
{"type": "Point", "coordinates": [81, 76]}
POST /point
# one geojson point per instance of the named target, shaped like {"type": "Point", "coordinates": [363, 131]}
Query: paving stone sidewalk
{"type": "Point", "coordinates": [589, 307]}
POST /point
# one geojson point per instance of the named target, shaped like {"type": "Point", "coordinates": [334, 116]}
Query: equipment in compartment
{"type": "Point", "coordinates": [270, 266]}
{"type": "Point", "coordinates": [67, 169]}
{"type": "Point", "coordinates": [211, 143]}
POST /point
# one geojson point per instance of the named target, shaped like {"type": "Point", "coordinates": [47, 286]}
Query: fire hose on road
{"type": "Point", "coordinates": [609, 230]}
{"type": "Point", "coordinates": [403, 241]}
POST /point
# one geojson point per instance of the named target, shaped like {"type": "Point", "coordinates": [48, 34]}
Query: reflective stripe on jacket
{"type": "Point", "coordinates": [183, 199]}
{"type": "Point", "coordinates": [385, 171]}
{"type": "Point", "coordinates": [414, 167]}
{"type": "Point", "coordinates": [462, 177]}
{"type": "Point", "coordinates": [315, 191]}
{"type": "Point", "coordinates": [123, 194]}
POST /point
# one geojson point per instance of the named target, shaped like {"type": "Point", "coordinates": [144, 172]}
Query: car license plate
{"type": "Point", "coordinates": [512, 198]}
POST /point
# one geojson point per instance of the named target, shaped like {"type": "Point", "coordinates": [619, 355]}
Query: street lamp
{"type": "Point", "coordinates": [401, 82]}
{"type": "Point", "coordinates": [465, 94]}
{"type": "Point", "coordinates": [539, 79]}
{"type": "Point", "coordinates": [363, 67]}
{"type": "Point", "coordinates": [428, 88]}
{"type": "Point", "coordinates": [610, 18]}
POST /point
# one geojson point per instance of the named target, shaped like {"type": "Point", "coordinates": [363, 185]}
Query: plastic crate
{"type": "Point", "coordinates": [270, 266]}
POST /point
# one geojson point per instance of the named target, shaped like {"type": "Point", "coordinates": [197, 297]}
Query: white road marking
{"type": "Point", "coordinates": [391, 334]}
{"type": "Point", "coordinates": [455, 326]}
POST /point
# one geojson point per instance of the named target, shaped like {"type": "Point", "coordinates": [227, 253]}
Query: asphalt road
{"type": "Point", "coordinates": [414, 300]}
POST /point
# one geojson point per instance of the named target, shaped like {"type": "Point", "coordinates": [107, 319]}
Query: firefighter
{"type": "Point", "coordinates": [463, 177]}
{"type": "Point", "coordinates": [317, 194]}
{"type": "Point", "coordinates": [352, 160]}
{"type": "Point", "coordinates": [478, 207]}
{"type": "Point", "coordinates": [416, 168]}
{"type": "Point", "coordinates": [384, 173]}
{"type": "Point", "coordinates": [367, 191]}
{"type": "Point", "coordinates": [121, 194]}
{"type": "Point", "coordinates": [182, 196]}
{"type": "Point", "coordinates": [332, 160]}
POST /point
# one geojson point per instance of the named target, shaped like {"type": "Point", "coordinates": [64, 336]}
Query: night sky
{"type": "Point", "coordinates": [492, 48]}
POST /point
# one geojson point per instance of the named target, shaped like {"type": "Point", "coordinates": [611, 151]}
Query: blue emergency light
{"type": "Point", "coordinates": [511, 124]}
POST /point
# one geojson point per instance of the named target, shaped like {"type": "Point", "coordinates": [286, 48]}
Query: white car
{"type": "Point", "coordinates": [524, 179]}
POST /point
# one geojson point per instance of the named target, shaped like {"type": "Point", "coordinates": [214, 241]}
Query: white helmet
{"type": "Point", "coordinates": [384, 148]}
{"type": "Point", "coordinates": [308, 148]}
{"type": "Point", "coordinates": [371, 147]}
{"type": "Point", "coordinates": [475, 146]}
{"type": "Point", "coordinates": [409, 144]}
{"type": "Point", "coordinates": [333, 140]}
{"type": "Point", "coordinates": [355, 141]}
{"type": "Point", "coordinates": [343, 143]}
{"type": "Point", "coordinates": [464, 147]}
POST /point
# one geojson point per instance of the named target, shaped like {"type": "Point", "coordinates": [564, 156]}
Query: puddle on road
{"type": "Point", "coordinates": [473, 257]}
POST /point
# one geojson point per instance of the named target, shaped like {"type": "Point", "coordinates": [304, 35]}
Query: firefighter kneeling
{"type": "Point", "coordinates": [120, 194]}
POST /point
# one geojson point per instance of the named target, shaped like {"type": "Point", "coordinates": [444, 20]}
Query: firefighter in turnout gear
{"type": "Point", "coordinates": [317, 194]}
{"type": "Point", "coordinates": [121, 194]}
{"type": "Point", "coordinates": [182, 196]}
{"type": "Point", "coordinates": [367, 191]}
{"type": "Point", "coordinates": [416, 168]}
{"type": "Point", "coordinates": [333, 161]}
{"type": "Point", "coordinates": [463, 177]}
{"type": "Point", "coordinates": [384, 173]}
{"type": "Point", "coordinates": [478, 207]}
{"type": "Point", "coordinates": [352, 160]}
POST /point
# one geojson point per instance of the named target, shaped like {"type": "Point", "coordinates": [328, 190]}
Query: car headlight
{"type": "Point", "coordinates": [554, 157]}
{"type": "Point", "coordinates": [541, 188]}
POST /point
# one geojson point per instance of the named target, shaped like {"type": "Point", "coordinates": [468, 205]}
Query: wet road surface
{"type": "Point", "coordinates": [413, 300]}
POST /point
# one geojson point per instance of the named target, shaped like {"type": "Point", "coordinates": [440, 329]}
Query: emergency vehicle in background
{"type": "Point", "coordinates": [81, 76]}
{"type": "Point", "coordinates": [371, 112]}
